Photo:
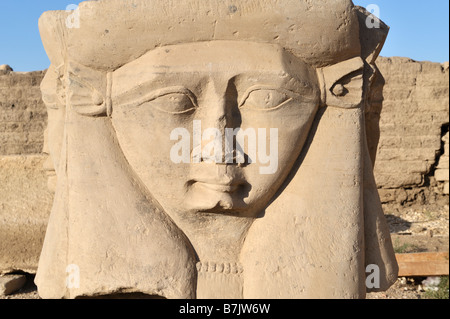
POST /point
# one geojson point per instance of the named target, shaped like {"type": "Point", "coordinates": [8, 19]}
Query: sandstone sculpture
{"type": "Point", "coordinates": [137, 214]}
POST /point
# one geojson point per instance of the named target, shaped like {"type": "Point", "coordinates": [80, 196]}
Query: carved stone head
{"type": "Point", "coordinates": [212, 149]}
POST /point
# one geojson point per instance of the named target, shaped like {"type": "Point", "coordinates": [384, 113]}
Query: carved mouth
{"type": "Point", "coordinates": [224, 180]}
{"type": "Point", "coordinates": [223, 188]}
{"type": "Point", "coordinates": [217, 194]}
{"type": "Point", "coordinates": [217, 189]}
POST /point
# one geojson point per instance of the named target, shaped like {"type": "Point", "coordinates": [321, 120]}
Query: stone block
{"type": "Point", "coordinates": [442, 175]}
{"type": "Point", "coordinates": [444, 162]}
{"type": "Point", "coordinates": [22, 112]}
{"type": "Point", "coordinates": [393, 195]}
{"type": "Point", "coordinates": [9, 284]}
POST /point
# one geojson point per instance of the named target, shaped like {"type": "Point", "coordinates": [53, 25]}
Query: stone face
{"type": "Point", "coordinates": [414, 109]}
{"type": "Point", "coordinates": [11, 283]}
{"type": "Point", "coordinates": [144, 98]}
{"type": "Point", "coordinates": [25, 203]}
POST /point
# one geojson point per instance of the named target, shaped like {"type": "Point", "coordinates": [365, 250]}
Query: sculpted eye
{"type": "Point", "coordinates": [266, 99]}
{"type": "Point", "coordinates": [173, 101]}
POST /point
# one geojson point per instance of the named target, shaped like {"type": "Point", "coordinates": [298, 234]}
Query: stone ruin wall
{"type": "Point", "coordinates": [412, 163]}
{"type": "Point", "coordinates": [22, 113]}
{"type": "Point", "coordinates": [25, 201]}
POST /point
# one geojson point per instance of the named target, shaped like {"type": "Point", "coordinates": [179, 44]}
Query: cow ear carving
{"type": "Point", "coordinates": [87, 90]}
{"type": "Point", "coordinates": [342, 84]}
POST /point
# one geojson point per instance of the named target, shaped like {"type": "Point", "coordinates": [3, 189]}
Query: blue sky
{"type": "Point", "coordinates": [419, 30]}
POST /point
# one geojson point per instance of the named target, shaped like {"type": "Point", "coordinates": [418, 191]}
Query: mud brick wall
{"type": "Point", "coordinates": [442, 171]}
{"type": "Point", "coordinates": [25, 201]}
{"type": "Point", "coordinates": [414, 120]}
{"type": "Point", "coordinates": [23, 117]}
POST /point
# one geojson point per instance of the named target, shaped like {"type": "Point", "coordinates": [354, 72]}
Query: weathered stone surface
{"type": "Point", "coordinates": [413, 132]}
{"type": "Point", "coordinates": [25, 204]}
{"type": "Point", "coordinates": [446, 190]}
{"type": "Point", "coordinates": [415, 110]}
{"type": "Point", "coordinates": [443, 171]}
{"type": "Point", "coordinates": [444, 162]}
{"type": "Point", "coordinates": [130, 215]}
{"type": "Point", "coordinates": [441, 175]}
{"type": "Point", "coordinates": [23, 116]}
{"type": "Point", "coordinates": [25, 201]}
{"type": "Point", "coordinates": [9, 284]}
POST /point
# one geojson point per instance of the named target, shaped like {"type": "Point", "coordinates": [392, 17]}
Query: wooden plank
{"type": "Point", "coordinates": [423, 264]}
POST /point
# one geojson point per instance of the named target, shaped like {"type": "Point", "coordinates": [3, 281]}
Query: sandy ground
{"type": "Point", "coordinates": [415, 229]}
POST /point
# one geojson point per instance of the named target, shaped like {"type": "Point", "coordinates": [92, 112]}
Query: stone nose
{"type": "Point", "coordinates": [221, 105]}
{"type": "Point", "coordinates": [212, 141]}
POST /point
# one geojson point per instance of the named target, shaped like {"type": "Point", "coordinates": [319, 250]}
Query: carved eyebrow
{"type": "Point", "coordinates": [153, 95]}
{"type": "Point", "coordinates": [278, 80]}
{"type": "Point", "coordinates": [246, 95]}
